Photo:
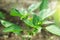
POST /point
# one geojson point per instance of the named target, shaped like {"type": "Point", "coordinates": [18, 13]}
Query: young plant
{"type": "Point", "coordinates": [10, 27]}
{"type": "Point", "coordinates": [33, 20]}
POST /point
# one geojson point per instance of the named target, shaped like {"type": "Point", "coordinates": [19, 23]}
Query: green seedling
{"type": "Point", "coordinates": [33, 20]}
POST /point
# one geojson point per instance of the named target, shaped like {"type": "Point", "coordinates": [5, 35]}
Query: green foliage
{"type": "Point", "coordinates": [29, 22]}
{"type": "Point", "coordinates": [53, 29]}
{"type": "Point", "coordinates": [20, 13]}
{"type": "Point", "coordinates": [44, 4]}
{"type": "Point", "coordinates": [32, 20]}
{"type": "Point", "coordinates": [14, 12]}
{"type": "Point", "coordinates": [6, 24]}
{"type": "Point", "coordinates": [46, 13]}
{"type": "Point", "coordinates": [48, 22]}
{"type": "Point", "coordinates": [33, 7]}
{"type": "Point", "coordinates": [2, 16]}
{"type": "Point", "coordinates": [10, 27]}
{"type": "Point", "coordinates": [36, 20]}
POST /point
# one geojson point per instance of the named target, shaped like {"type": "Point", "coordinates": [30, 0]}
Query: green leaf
{"type": "Point", "coordinates": [36, 20]}
{"type": "Point", "coordinates": [2, 16]}
{"type": "Point", "coordinates": [14, 12]}
{"type": "Point", "coordinates": [38, 30]}
{"type": "Point", "coordinates": [33, 7]}
{"type": "Point", "coordinates": [29, 22]}
{"type": "Point", "coordinates": [6, 23]}
{"type": "Point", "coordinates": [46, 13]}
{"type": "Point", "coordinates": [48, 22]}
{"type": "Point", "coordinates": [44, 4]}
{"type": "Point", "coordinates": [10, 27]}
{"type": "Point", "coordinates": [53, 29]}
{"type": "Point", "coordinates": [23, 14]}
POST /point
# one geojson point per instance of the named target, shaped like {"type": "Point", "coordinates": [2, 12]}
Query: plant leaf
{"type": "Point", "coordinates": [48, 22]}
{"type": "Point", "coordinates": [46, 13]}
{"type": "Point", "coordinates": [44, 4]}
{"type": "Point", "coordinates": [53, 29]}
{"type": "Point", "coordinates": [10, 27]}
{"type": "Point", "coordinates": [2, 16]}
{"type": "Point", "coordinates": [24, 13]}
{"type": "Point", "coordinates": [30, 23]}
{"type": "Point", "coordinates": [20, 13]}
{"type": "Point", "coordinates": [6, 23]}
{"type": "Point", "coordinates": [36, 20]}
{"type": "Point", "coordinates": [33, 7]}
{"type": "Point", "coordinates": [14, 12]}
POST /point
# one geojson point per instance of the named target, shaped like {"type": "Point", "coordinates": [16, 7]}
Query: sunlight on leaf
{"type": "Point", "coordinates": [48, 22]}
{"type": "Point", "coordinates": [5, 23]}
{"type": "Point", "coordinates": [53, 29]}
{"type": "Point", "coordinates": [33, 7]}
{"type": "Point", "coordinates": [57, 15]}
{"type": "Point", "coordinates": [46, 13]}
